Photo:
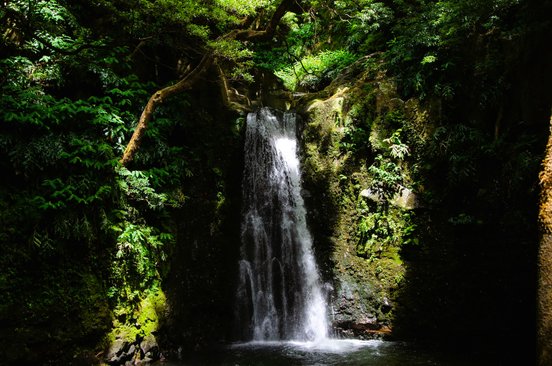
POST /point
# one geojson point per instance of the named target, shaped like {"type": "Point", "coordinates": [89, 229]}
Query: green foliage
{"type": "Point", "coordinates": [236, 52]}
{"type": "Point", "coordinates": [193, 27]}
{"type": "Point", "coordinates": [231, 49]}
{"type": "Point", "coordinates": [69, 101]}
{"type": "Point", "coordinates": [201, 19]}
{"type": "Point", "coordinates": [397, 149]}
{"type": "Point", "coordinates": [389, 173]}
{"type": "Point", "coordinates": [311, 72]}
{"type": "Point", "coordinates": [78, 229]}
{"type": "Point", "coordinates": [367, 15]}
{"type": "Point", "coordinates": [383, 228]}
{"type": "Point", "coordinates": [136, 186]}
{"type": "Point", "coordinates": [386, 176]}
{"type": "Point", "coordinates": [138, 255]}
{"type": "Point", "coordinates": [426, 48]}
{"type": "Point", "coordinates": [366, 22]}
{"type": "Point", "coordinates": [241, 7]}
{"type": "Point", "coordinates": [463, 146]}
{"type": "Point", "coordinates": [298, 59]}
{"type": "Point", "coordinates": [381, 233]}
{"type": "Point", "coordinates": [301, 36]}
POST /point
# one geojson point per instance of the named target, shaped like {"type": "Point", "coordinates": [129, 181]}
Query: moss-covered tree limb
{"type": "Point", "coordinates": [544, 301]}
{"type": "Point", "coordinates": [268, 31]}
{"type": "Point", "coordinates": [159, 97]}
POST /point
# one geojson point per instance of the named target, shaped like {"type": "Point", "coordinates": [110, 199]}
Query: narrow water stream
{"type": "Point", "coordinates": [280, 295]}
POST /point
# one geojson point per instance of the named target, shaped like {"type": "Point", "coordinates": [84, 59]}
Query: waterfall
{"type": "Point", "coordinates": [279, 295]}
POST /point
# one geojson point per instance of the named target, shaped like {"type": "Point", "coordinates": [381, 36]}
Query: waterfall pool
{"type": "Point", "coordinates": [330, 353]}
{"type": "Point", "coordinates": [280, 295]}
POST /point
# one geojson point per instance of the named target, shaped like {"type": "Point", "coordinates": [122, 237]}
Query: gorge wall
{"type": "Point", "coordinates": [422, 214]}
{"type": "Point", "coordinates": [420, 148]}
{"type": "Point", "coordinates": [425, 224]}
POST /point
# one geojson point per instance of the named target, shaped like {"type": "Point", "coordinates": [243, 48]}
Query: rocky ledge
{"type": "Point", "coordinates": [143, 352]}
{"type": "Point", "coordinates": [362, 330]}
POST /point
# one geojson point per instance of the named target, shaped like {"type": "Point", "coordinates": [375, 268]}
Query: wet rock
{"type": "Point", "coordinates": [117, 348]}
{"type": "Point", "coordinates": [149, 346]}
{"type": "Point", "coordinates": [366, 328]}
{"type": "Point", "coordinates": [366, 324]}
{"type": "Point", "coordinates": [386, 305]}
{"type": "Point", "coordinates": [405, 199]}
{"type": "Point", "coordinates": [146, 361]}
{"type": "Point", "coordinates": [114, 360]}
{"type": "Point", "coordinates": [117, 353]}
{"type": "Point", "coordinates": [359, 313]}
{"type": "Point", "coordinates": [144, 353]}
{"type": "Point", "coordinates": [372, 195]}
{"type": "Point", "coordinates": [131, 351]}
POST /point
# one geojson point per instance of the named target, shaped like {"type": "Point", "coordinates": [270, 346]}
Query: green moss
{"type": "Point", "coordinates": [96, 309]}
{"type": "Point", "coordinates": [351, 144]}
{"type": "Point", "coordinates": [133, 322]}
{"type": "Point", "coordinates": [150, 310]}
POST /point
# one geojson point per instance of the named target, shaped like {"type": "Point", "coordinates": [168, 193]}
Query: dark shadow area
{"type": "Point", "coordinates": [321, 199]}
{"type": "Point", "coordinates": [471, 282]}
{"type": "Point", "coordinates": [201, 282]}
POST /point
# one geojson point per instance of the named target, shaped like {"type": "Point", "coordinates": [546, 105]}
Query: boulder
{"type": "Point", "coordinates": [372, 195]}
{"type": "Point", "coordinates": [149, 346]}
{"type": "Point", "coordinates": [405, 199]}
{"type": "Point", "coordinates": [117, 352]}
{"type": "Point", "coordinates": [130, 352]}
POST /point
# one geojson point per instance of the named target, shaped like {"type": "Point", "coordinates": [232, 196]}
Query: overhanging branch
{"type": "Point", "coordinates": [192, 77]}
{"type": "Point", "coordinates": [159, 97]}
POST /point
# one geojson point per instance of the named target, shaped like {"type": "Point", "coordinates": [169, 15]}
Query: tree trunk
{"type": "Point", "coordinates": [544, 300]}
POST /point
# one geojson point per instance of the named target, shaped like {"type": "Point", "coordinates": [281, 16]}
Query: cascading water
{"type": "Point", "coordinates": [279, 295]}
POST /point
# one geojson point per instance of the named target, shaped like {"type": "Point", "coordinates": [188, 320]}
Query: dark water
{"type": "Point", "coordinates": [342, 353]}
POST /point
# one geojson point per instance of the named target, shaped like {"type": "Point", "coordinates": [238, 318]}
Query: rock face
{"type": "Point", "coordinates": [149, 347]}
{"type": "Point", "coordinates": [353, 316]}
{"type": "Point", "coordinates": [141, 352]}
{"type": "Point", "coordinates": [405, 199]}
{"type": "Point", "coordinates": [359, 220]}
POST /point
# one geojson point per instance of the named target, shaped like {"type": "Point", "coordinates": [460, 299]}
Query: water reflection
{"type": "Point", "coordinates": [328, 353]}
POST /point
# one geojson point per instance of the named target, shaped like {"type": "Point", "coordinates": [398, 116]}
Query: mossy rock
{"type": "Point", "coordinates": [342, 135]}
{"type": "Point", "coordinates": [140, 321]}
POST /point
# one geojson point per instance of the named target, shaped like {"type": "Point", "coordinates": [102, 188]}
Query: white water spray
{"type": "Point", "coordinates": [279, 295]}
